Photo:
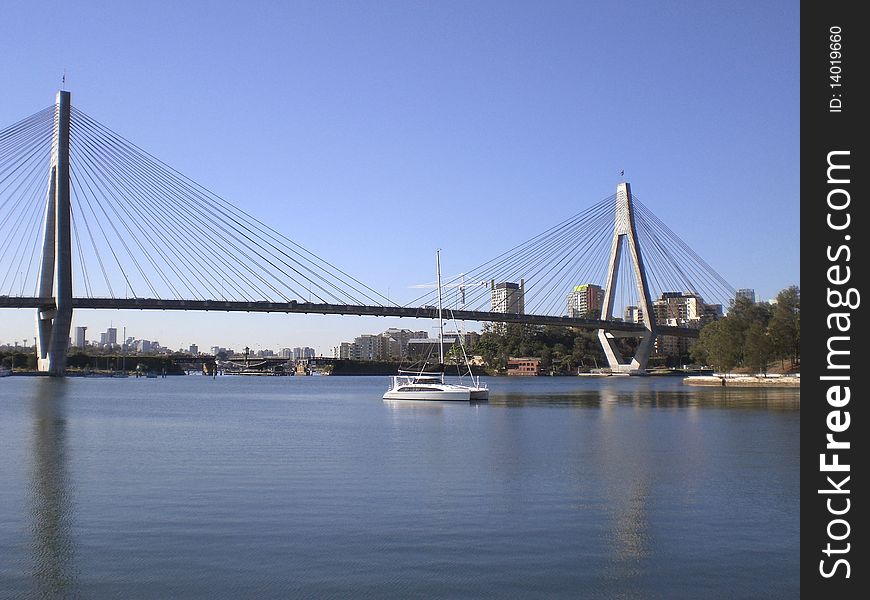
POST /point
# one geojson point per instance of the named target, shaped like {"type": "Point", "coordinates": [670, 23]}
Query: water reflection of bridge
{"type": "Point", "coordinates": [53, 546]}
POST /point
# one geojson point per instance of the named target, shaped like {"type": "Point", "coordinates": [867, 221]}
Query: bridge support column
{"type": "Point", "coordinates": [625, 233]}
{"type": "Point", "coordinates": [53, 321]}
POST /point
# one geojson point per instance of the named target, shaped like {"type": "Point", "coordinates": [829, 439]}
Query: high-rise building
{"type": "Point", "coordinates": [368, 347]}
{"type": "Point", "coordinates": [112, 336]}
{"type": "Point", "coordinates": [678, 308]}
{"type": "Point", "coordinates": [633, 314]}
{"type": "Point", "coordinates": [193, 349]}
{"type": "Point", "coordinates": [300, 353]}
{"type": "Point", "coordinates": [402, 337]}
{"type": "Point", "coordinates": [747, 293]}
{"type": "Point", "coordinates": [343, 351]}
{"type": "Point", "coordinates": [508, 297]}
{"type": "Point", "coordinates": [585, 300]}
{"type": "Point", "coordinates": [428, 348]}
{"type": "Point", "coordinates": [80, 337]}
{"type": "Point", "coordinates": [681, 309]}
{"type": "Point", "coordinates": [145, 346]}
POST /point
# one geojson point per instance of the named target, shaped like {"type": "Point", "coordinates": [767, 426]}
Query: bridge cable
{"type": "Point", "coordinates": [82, 264]}
{"type": "Point", "coordinates": [249, 269]}
{"type": "Point", "coordinates": [512, 262]}
{"type": "Point", "coordinates": [197, 194]}
{"type": "Point", "coordinates": [94, 186]}
{"type": "Point", "coordinates": [131, 173]}
{"type": "Point", "coordinates": [125, 203]}
{"type": "Point", "coordinates": [255, 274]}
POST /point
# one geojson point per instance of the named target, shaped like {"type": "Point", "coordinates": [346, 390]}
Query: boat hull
{"type": "Point", "coordinates": [437, 395]}
{"type": "Point", "coordinates": [478, 394]}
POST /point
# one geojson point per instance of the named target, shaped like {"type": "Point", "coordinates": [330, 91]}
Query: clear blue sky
{"type": "Point", "coordinates": [345, 123]}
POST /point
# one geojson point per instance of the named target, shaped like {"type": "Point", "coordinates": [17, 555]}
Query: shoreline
{"type": "Point", "coordinates": [743, 381]}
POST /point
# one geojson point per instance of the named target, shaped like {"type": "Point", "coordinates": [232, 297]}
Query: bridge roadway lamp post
{"type": "Point", "coordinates": [624, 232]}
{"type": "Point", "coordinates": [54, 317]}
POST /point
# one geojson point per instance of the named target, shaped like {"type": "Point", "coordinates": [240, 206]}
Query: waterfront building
{"type": "Point", "coordinates": [342, 351]}
{"type": "Point", "coordinates": [301, 353]}
{"type": "Point", "coordinates": [422, 348]}
{"type": "Point", "coordinates": [402, 337]}
{"type": "Point", "coordinates": [392, 344]}
{"type": "Point", "coordinates": [367, 347]}
{"type": "Point", "coordinates": [585, 301]}
{"type": "Point", "coordinates": [524, 366]}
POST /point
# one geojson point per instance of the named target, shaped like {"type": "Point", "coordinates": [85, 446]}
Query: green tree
{"type": "Point", "coordinates": [785, 325]}
{"type": "Point", "coordinates": [488, 347]}
{"type": "Point", "coordinates": [546, 359]}
{"type": "Point", "coordinates": [722, 344]}
{"type": "Point", "coordinates": [757, 348]}
{"type": "Point", "coordinates": [698, 352]}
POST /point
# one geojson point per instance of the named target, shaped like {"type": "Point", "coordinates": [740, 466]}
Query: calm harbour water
{"type": "Point", "coordinates": [295, 487]}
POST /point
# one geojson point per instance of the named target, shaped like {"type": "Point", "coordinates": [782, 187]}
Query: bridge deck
{"type": "Point", "coordinates": [339, 309]}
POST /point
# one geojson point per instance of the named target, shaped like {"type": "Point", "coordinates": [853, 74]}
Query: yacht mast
{"type": "Point", "coordinates": [440, 317]}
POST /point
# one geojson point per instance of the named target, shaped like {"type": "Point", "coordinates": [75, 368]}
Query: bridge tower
{"type": "Point", "coordinates": [54, 318]}
{"type": "Point", "coordinates": [625, 232]}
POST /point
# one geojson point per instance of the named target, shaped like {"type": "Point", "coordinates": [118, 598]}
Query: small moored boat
{"type": "Point", "coordinates": [431, 386]}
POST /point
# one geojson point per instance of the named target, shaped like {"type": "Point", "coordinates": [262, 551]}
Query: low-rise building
{"type": "Point", "coordinates": [524, 366]}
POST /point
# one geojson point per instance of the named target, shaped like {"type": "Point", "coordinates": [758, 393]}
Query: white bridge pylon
{"type": "Point", "coordinates": [55, 273]}
{"type": "Point", "coordinates": [624, 232]}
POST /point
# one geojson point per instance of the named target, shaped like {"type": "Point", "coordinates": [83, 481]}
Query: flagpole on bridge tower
{"type": "Point", "coordinates": [625, 232]}
{"type": "Point", "coordinates": [54, 317]}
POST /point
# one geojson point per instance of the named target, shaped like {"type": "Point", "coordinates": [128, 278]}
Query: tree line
{"type": "Point", "coordinates": [753, 335]}
{"type": "Point", "coordinates": [561, 349]}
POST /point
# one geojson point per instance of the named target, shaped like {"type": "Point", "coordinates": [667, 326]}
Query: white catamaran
{"type": "Point", "coordinates": [431, 386]}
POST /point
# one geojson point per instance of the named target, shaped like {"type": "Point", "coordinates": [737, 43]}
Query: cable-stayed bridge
{"type": "Point", "coordinates": [88, 220]}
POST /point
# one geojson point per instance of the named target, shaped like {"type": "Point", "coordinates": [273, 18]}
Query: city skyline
{"type": "Point", "coordinates": [383, 127]}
